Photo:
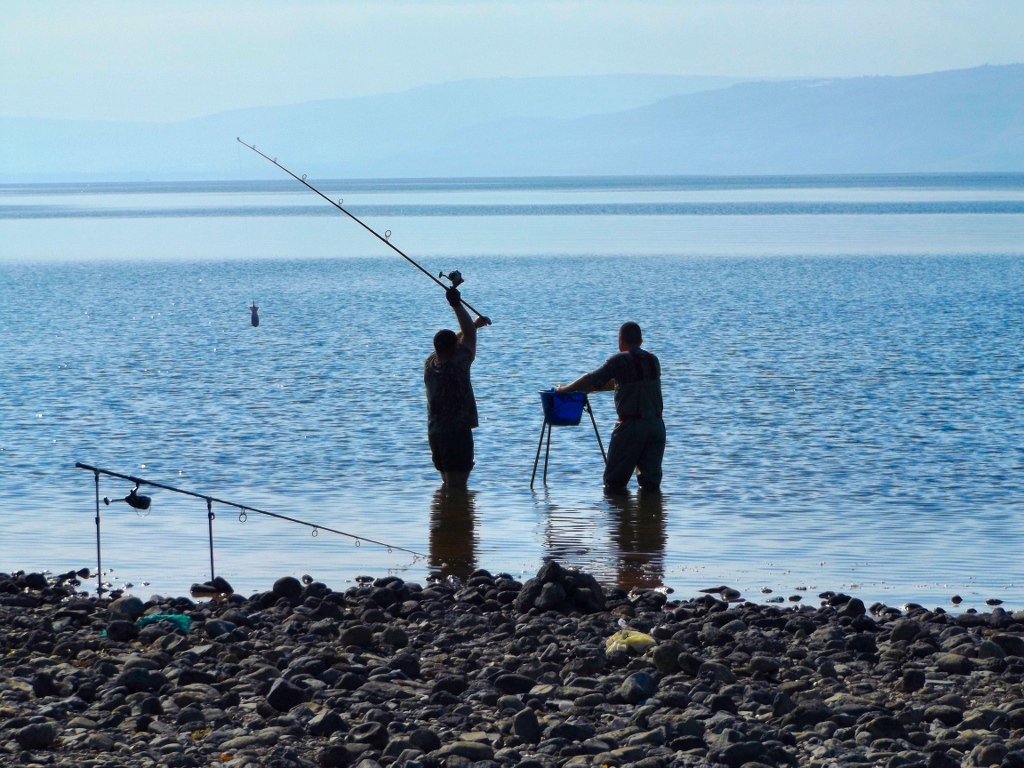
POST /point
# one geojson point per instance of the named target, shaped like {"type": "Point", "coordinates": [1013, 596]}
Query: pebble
{"type": "Point", "coordinates": [492, 672]}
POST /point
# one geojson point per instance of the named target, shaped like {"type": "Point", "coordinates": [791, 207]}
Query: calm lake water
{"type": "Point", "coordinates": [843, 366]}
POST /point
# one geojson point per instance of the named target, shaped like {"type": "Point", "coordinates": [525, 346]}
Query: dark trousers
{"type": "Point", "coordinates": [636, 445]}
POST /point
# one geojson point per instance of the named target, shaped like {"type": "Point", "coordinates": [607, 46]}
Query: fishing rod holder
{"type": "Point", "coordinates": [140, 502]}
{"type": "Point", "coordinates": [562, 409]}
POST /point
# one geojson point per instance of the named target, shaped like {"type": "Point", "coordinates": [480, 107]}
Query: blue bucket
{"type": "Point", "coordinates": [562, 410]}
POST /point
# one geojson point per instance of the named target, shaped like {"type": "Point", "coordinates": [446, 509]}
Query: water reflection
{"type": "Point", "coordinates": [638, 536]}
{"type": "Point", "coordinates": [453, 533]}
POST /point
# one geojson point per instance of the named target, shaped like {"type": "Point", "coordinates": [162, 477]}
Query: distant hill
{"type": "Point", "coordinates": [962, 120]}
{"type": "Point", "coordinates": [338, 137]}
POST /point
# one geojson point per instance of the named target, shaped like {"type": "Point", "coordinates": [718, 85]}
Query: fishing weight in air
{"type": "Point", "coordinates": [454, 277]}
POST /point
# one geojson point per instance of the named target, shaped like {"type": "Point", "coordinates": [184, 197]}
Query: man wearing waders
{"type": "Point", "coordinates": [451, 406]}
{"type": "Point", "coordinates": [638, 440]}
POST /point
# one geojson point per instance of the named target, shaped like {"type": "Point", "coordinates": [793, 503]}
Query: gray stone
{"type": "Point", "coordinates": [397, 746]}
{"type": "Point", "coordinates": [407, 663]}
{"type": "Point", "coordinates": [551, 595]}
{"type": "Point", "coordinates": [941, 760]}
{"type": "Point", "coordinates": [239, 743]}
{"type": "Point", "coordinates": [395, 636]}
{"type": "Point", "coordinates": [36, 736]}
{"type": "Point", "coordinates": [359, 635]}
{"type": "Point", "coordinates": [654, 738]}
{"type": "Point", "coordinates": [985, 755]}
{"type": "Point", "coordinates": [471, 750]}
{"type": "Point", "coordinates": [764, 666]}
{"type": "Point", "coordinates": [551, 571]}
{"type": "Point", "coordinates": [854, 607]}
{"type": "Point", "coordinates": [513, 684]}
{"type": "Point", "coordinates": [284, 695]}
{"type": "Point", "coordinates": [721, 672]}
{"type": "Point", "coordinates": [136, 679]}
{"type": "Point", "coordinates": [127, 608]}
{"type": "Point", "coordinates": [953, 663]}
{"type": "Point", "coordinates": [808, 714]}
{"type": "Point", "coordinates": [217, 627]}
{"type": "Point", "coordinates": [191, 676]}
{"type": "Point", "coordinates": [570, 731]}
{"type": "Point", "coordinates": [99, 742]}
{"type": "Point", "coordinates": [1012, 644]}
{"type": "Point", "coordinates": [325, 724]}
{"type": "Point", "coordinates": [43, 685]}
{"type": "Point", "coordinates": [912, 680]}
{"type": "Point", "coordinates": [453, 684]}
{"type": "Point", "coordinates": [191, 714]}
{"type": "Point", "coordinates": [666, 657]}
{"type": "Point", "coordinates": [590, 700]}
{"type": "Point", "coordinates": [886, 727]}
{"type": "Point", "coordinates": [287, 587]}
{"type": "Point", "coordinates": [735, 755]}
{"type": "Point", "coordinates": [637, 687]}
{"type": "Point", "coordinates": [121, 631]}
{"type": "Point", "coordinates": [981, 719]}
{"type": "Point", "coordinates": [36, 581]}
{"type": "Point", "coordinates": [374, 734]}
{"type": "Point", "coordinates": [332, 756]}
{"type": "Point", "coordinates": [528, 594]}
{"type": "Point", "coordinates": [689, 664]}
{"type": "Point", "coordinates": [906, 630]}
{"type": "Point", "coordinates": [526, 726]}
{"type": "Point", "coordinates": [990, 650]}
{"type": "Point", "coordinates": [424, 740]}
{"type": "Point", "coordinates": [510, 702]}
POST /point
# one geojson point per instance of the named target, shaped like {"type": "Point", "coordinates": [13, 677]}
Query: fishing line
{"type": "Point", "coordinates": [454, 276]}
{"type": "Point", "coordinates": [254, 317]}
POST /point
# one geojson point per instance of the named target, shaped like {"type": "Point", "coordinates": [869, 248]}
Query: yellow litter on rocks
{"type": "Point", "coordinates": [629, 640]}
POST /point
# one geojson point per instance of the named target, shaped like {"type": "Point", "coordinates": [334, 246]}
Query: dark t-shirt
{"type": "Point", "coordinates": [637, 378]}
{"type": "Point", "coordinates": [451, 405]}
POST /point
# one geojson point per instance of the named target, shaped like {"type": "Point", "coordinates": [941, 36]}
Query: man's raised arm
{"type": "Point", "coordinates": [467, 326]}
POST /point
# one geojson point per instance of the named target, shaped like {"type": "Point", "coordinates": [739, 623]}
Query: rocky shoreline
{"type": "Point", "coordinates": [556, 672]}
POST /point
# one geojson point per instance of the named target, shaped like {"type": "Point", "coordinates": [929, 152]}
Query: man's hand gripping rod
{"type": "Point", "coordinates": [383, 239]}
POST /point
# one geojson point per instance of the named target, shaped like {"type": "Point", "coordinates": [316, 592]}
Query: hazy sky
{"type": "Point", "coordinates": [168, 60]}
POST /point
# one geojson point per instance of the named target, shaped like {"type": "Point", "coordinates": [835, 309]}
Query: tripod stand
{"type": "Point", "coordinates": [562, 411]}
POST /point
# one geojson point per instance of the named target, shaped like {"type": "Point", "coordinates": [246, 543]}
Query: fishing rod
{"type": "Point", "coordinates": [455, 276]}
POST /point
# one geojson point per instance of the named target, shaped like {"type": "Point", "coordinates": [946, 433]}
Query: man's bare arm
{"type": "Point", "coordinates": [467, 330]}
{"type": "Point", "coordinates": [584, 384]}
{"type": "Point", "coordinates": [467, 326]}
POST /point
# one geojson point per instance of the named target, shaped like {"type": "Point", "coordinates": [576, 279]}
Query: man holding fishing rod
{"type": "Point", "coordinates": [451, 405]}
{"type": "Point", "coordinates": [638, 440]}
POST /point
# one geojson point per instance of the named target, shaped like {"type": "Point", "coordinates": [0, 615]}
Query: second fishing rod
{"type": "Point", "coordinates": [455, 277]}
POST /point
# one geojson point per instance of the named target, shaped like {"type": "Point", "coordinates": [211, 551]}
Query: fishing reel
{"type": "Point", "coordinates": [134, 499]}
{"type": "Point", "coordinates": [454, 276]}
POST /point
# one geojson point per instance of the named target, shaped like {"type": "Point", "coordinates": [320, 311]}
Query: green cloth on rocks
{"type": "Point", "coordinates": [184, 622]}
